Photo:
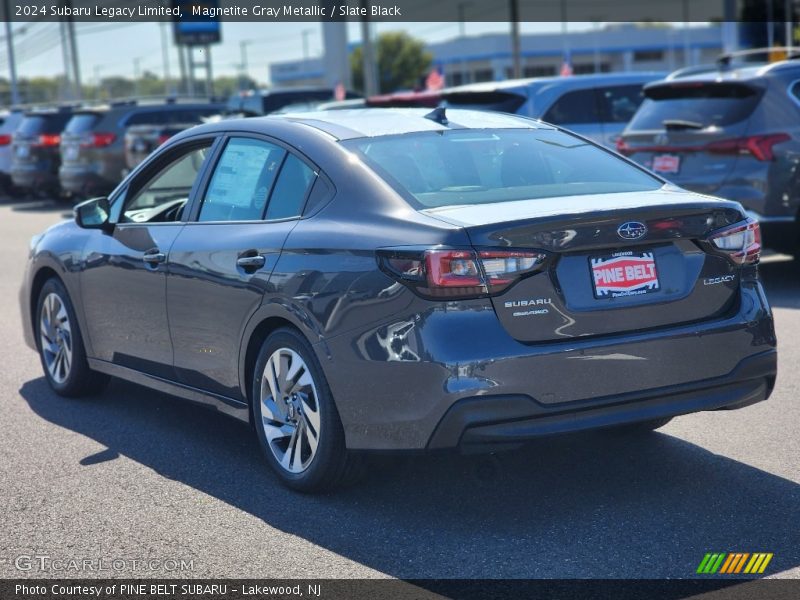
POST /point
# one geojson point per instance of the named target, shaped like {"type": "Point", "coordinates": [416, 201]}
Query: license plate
{"type": "Point", "coordinates": [23, 151]}
{"type": "Point", "coordinates": [624, 274]}
{"type": "Point", "coordinates": [71, 153]}
{"type": "Point", "coordinates": [666, 163]}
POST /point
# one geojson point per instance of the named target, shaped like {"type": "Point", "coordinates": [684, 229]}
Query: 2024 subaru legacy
{"type": "Point", "coordinates": [403, 280]}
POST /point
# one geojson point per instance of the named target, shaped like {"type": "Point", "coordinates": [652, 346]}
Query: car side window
{"type": "Point", "coordinates": [242, 181]}
{"type": "Point", "coordinates": [619, 103]}
{"type": "Point", "coordinates": [163, 197]}
{"type": "Point", "coordinates": [291, 189]}
{"type": "Point", "coordinates": [574, 108]}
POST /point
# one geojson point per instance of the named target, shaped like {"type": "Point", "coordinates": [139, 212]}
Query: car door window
{"type": "Point", "coordinates": [574, 108]}
{"type": "Point", "coordinates": [163, 197]}
{"type": "Point", "coordinates": [289, 195]}
{"type": "Point", "coordinates": [242, 181]}
{"type": "Point", "coordinates": [618, 104]}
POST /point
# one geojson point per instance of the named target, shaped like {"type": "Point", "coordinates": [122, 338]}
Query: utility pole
{"type": "Point", "coordinates": [165, 58]}
{"type": "Point", "coordinates": [369, 65]}
{"type": "Point", "coordinates": [97, 84]}
{"type": "Point", "coordinates": [788, 24]}
{"type": "Point", "coordinates": [73, 50]}
{"type": "Point", "coordinates": [243, 50]}
{"type": "Point", "coordinates": [12, 65]}
{"type": "Point", "coordinates": [305, 33]}
{"type": "Point", "coordinates": [462, 18]}
{"type": "Point", "coordinates": [62, 31]}
{"type": "Point", "coordinates": [137, 76]}
{"type": "Point", "coordinates": [515, 46]}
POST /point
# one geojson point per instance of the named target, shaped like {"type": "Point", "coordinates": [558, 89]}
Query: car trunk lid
{"type": "Point", "coordinates": [610, 270]}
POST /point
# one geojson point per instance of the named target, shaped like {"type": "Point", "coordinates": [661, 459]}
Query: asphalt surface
{"type": "Point", "coordinates": [135, 474]}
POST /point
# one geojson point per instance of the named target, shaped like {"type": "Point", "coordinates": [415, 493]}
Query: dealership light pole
{"type": "Point", "coordinates": [369, 65]}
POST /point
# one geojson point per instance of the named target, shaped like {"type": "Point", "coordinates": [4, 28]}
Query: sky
{"type": "Point", "coordinates": [118, 48]}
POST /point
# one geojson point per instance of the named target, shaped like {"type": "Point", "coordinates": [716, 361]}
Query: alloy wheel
{"type": "Point", "coordinates": [290, 412]}
{"type": "Point", "coordinates": [55, 335]}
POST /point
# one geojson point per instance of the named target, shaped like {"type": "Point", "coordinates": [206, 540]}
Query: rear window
{"type": "Point", "coordinates": [434, 169]}
{"type": "Point", "coordinates": [81, 123]}
{"type": "Point", "coordinates": [697, 105]}
{"type": "Point", "coordinates": [496, 101]}
{"type": "Point", "coordinates": [36, 124]}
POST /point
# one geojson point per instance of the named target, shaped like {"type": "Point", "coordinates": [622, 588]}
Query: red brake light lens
{"type": "Point", "coordinates": [163, 138]}
{"type": "Point", "coordinates": [623, 147]}
{"type": "Point", "coordinates": [49, 139]}
{"type": "Point", "coordinates": [759, 146]}
{"type": "Point", "coordinates": [461, 273]}
{"type": "Point", "coordinates": [741, 242]}
{"type": "Point", "coordinates": [103, 139]}
{"type": "Point", "coordinates": [5, 139]}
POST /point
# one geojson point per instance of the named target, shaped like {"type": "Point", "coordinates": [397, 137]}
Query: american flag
{"type": "Point", "coordinates": [434, 81]}
{"type": "Point", "coordinates": [566, 66]}
{"type": "Point", "coordinates": [339, 92]}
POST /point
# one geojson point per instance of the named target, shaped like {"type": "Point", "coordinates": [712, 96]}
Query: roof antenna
{"type": "Point", "coordinates": [438, 115]}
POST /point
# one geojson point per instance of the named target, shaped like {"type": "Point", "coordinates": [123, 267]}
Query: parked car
{"type": "Point", "coordinates": [733, 133]}
{"type": "Point", "coordinates": [93, 144]}
{"type": "Point", "coordinates": [35, 155]}
{"type": "Point", "coordinates": [595, 106]}
{"type": "Point", "coordinates": [141, 140]}
{"type": "Point", "coordinates": [255, 103]}
{"type": "Point", "coordinates": [418, 99]}
{"type": "Point", "coordinates": [9, 121]}
{"type": "Point", "coordinates": [403, 280]}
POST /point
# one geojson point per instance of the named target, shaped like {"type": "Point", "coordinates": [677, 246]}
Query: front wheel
{"type": "Point", "coordinates": [295, 417]}
{"type": "Point", "coordinates": [61, 348]}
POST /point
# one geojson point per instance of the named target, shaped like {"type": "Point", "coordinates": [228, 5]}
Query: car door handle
{"type": "Point", "coordinates": [251, 262]}
{"type": "Point", "coordinates": [154, 257]}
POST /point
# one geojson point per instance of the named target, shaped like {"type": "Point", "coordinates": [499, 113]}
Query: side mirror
{"type": "Point", "coordinates": [93, 214]}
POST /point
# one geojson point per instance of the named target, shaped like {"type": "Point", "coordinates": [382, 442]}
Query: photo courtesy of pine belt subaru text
{"type": "Point", "coordinates": [403, 280]}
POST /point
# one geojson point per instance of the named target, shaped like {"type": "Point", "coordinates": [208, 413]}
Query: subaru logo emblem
{"type": "Point", "coordinates": [632, 230]}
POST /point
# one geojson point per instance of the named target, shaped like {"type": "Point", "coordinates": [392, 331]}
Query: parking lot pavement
{"type": "Point", "coordinates": [134, 474]}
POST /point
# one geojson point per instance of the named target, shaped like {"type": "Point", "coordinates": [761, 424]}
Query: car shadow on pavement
{"type": "Point", "coordinates": [586, 506]}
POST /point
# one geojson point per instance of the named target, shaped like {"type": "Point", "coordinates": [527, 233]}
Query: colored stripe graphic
{"type": "Point", "coordinates": [730, 563]}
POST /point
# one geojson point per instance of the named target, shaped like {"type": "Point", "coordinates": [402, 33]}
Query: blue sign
{"type": "Point", "coordinates": [196, 27]}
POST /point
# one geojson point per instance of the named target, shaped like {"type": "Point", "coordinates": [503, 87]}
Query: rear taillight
{"type": "Point", "coordinates": [48, 139]}
{"type": "Point", "coordinates": [741, 242]}
{"type": "Point", "coordinates": [759, 146]}
{"type": "Point", "coordinates": [623, 147]}
{"type": "Point", "coordinates": [5, 139]}
{"type": "Point", "coordinates": [99, 140]}
{"type": "Point", "coordinates": [163, 138]}
{"type": "Point", "coordinates": [460, 273]}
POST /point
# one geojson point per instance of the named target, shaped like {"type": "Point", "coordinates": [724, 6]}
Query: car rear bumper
{"type": "Point", "coordinates": [446, 358]}
{"type": "Point", "coordinates": [503, 420]}
{"type": "Point", "coordinates": [33, 177]}
{"type": "Point", "coordinates": [83, 180]}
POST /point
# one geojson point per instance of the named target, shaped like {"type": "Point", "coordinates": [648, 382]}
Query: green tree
{"type": "Point", "coordinates": [402, 62]}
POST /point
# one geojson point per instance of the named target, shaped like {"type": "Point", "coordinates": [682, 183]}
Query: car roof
{"type": "Point", "coordinates": [567, 82]}
{"type": "Point", "coordinates": [373, 122]}
{"type": "Point", "coordinates": [742, 73]}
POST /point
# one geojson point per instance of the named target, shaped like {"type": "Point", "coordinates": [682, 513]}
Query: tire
{"type": "Point", "coordinates": [641, 427]}
{"type": "Point", "coordinates": [300, 433]}
{"type": "Point", "coordinates": [58, 334]}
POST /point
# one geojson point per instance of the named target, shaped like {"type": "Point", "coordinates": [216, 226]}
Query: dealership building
{"type": "Point", "coordinates": [612, 48]}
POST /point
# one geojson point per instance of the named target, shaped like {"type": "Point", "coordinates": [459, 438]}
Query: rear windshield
{"type": "Point", "coordinates": [81, 123]}
{"type": "Point", "coordinates": [497, 101]}
{"type": "Point", "coordinates": [433, 169]}
{"type": "Point", "coordinates": [36, 124]}
{"type": "Point", "coordinates": [697, 105]}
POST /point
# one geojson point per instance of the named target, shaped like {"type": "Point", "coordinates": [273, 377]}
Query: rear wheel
{"type": "Point", "coordinates": [61, 348]}
{"type": "Point", "coordinates": [296, 419]}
